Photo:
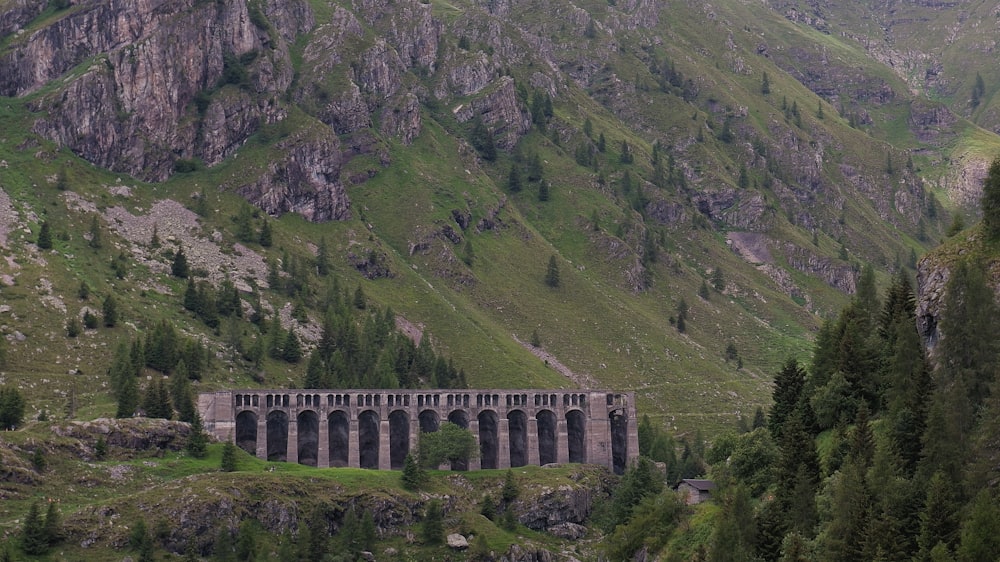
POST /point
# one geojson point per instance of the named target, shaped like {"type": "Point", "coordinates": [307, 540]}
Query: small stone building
{"type": "Point", "coordinates": [695, 491]}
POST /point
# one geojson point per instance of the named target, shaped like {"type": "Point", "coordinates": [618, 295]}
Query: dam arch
{"type": "Point", "coordinates": [377, 428]}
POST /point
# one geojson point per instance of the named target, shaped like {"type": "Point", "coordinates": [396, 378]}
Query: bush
{"type": "Point", "coordinates": [185, 165]}
{"type": "Point", "coordinates": [73, 328]}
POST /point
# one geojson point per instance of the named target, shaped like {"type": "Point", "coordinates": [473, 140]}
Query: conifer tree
{"type": "Point", "coordinates": [33, 539]}
{"type": "Point", "coordinates": [180, 393]}
{"type": "Point", "coordinates": [197, 444]}
{"type": "Point", "coordinates": [482, 140]}
{"type": "Point", "coordinates": [179, 265]}
{"type": "Point", "coordinates": [265, 239]}
{"type": "Point", "coordinates": [322, 258]}
{"type": "Point", "coordinates": [543, 191]}
{"type": "Point", "coordinates": [514, 179]}
{"type": "Point", "coordinates": [980, 534]}
{"type": "Point", "coordinates": [109, 309]}
{"type": "Point", "coordinates": [45, 236]}
{"type": "Point", "coordinates": [127, 396]}
{"type": "Point", "coordinates": [552, 273]}
{"type": "Point", "coordinates": [413, 475]}
{"type": "Point", "coordinates": [510, 490]}
{"type": "Point", "coordinates": [291, 350]}
{"type": "Point", "coordinates": [990, 202]}
{"type": "Point", "coordinates": [229, 462]}
{"type": "Point", "coordinates": [488, 508]}
{"type": "Point", "coordinates": [95, 233]}
{"type": "Point", "coordinates": [314, 541]}
{"type": "Point", "coordinates": [432, 529]}
{"type": "Point", "coordinates": [939, 520]}
{"type": "Point", "coordinates": [156, 400]}
{"type": "Point", "coordinates": [734, 536]}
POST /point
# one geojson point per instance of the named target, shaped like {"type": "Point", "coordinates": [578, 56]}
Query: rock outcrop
{"type": "Point", "coordinates": [499, 108]}
{"type": "Point", "coordinates": [306, 180]}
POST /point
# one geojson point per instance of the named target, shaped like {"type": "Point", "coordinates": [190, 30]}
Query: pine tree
{"type": "Point", "coordinates": [360, 302]}
{"type": "Point", "coordinates": [141, 541]}
{"type": "Point", "coordinates": [229, 461]}
{"type": "Point", "coordinates": [990, 202]}
{"type": "Point", "coordinates": [413, 475]}
{"type": "Point", "coordinates": [765, 85]}
{"type": "Point", "coordinates": [266, 237]}
{"type": "Point", "coordinates": [510, 490]}
{"type": "Point", "coordinates": [11, 407]}
{"type": "Point", "coordinates": [626, 153]}
{"type": "Point", "coordinates": [718, 280]}
{"type": "Point", "coordinates": [33, 538]}
{"type": "Point", "coordinates": [156, 400]}
{"type": "Point", "coordinates": [291, 350]}
{"type": "Point", "coordinates": [939, 519]}
{"type": "Point", "coordinates": [482, 140]}
{"type": "Point", "coordinates": [127, 397]}
{"type": "Point", "coordinates": [514, 179]}
{"type": "Point", "coordinates": [95, 233]}
{"type": "Point", "coordinates": [62, 179]}
{"type": "Point", "coordinates": [109, 309]}
{"type": "Point", "coordinates": [734, 535]}
{"type": "Point", "coordinates": [322, 258]}
{"type": "Point", "coordinates": [980, 535]}
{"type": "Point", "coordinates": [197, 444]}
{"type": "Point", "coordinates": [488, 508]}
{"type": "Point", "coordinates": [552, 273]}
{"type": "Point", "coordinates": [179, 266]}
{"type": "Point", "coordinates": [45, 236]}
{"type": "Point", "coordinates": [432, 529]}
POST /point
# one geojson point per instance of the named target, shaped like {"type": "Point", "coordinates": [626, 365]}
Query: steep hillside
{"type": "Point", "coordinates": [736, 163]}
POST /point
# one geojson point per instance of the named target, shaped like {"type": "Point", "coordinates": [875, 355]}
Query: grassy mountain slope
{"type": "Point", "coordinates": [816, 187]}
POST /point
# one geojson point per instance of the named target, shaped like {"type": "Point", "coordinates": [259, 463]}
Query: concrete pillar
{"type": "Point", "coordinates": [503, 443]}
{"type": "Point", "coordinates": [414, 429]}
{"type": "Point", "coordinates": [599, 441]}
{"type": "Point", "coordinates": [292, 450]}
{"type": "Point", "coordinates": [633, 431]}
{"type": "Point", "coordinates": [384, 461]}
{"type": "Point", "coordinates": [353, 445]}
{"type": "Point", "coordinates": [262, 433]}
{"type": "Point", "coordinates": [476, 463]}
{"type": "Point", "coordinates": [532, 441]}
{"type": "Point", "coordinates": [323, 452]}
{"type": "Point", "coordinates": [562, 441]}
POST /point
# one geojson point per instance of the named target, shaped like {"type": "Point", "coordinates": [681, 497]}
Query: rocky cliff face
{"type": "Point", "coordinates": [150, 88]}
{"type": "Point", "coordinates": [156, 81]}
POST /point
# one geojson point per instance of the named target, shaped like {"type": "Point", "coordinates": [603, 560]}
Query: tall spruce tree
{"type": "Point", "coordinates": [34, 541]}
{"type": "Point", "coordinates": [787, 395]}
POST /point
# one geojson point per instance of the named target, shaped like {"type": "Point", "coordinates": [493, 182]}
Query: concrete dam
{"type": "Point", "coordinates": [376, 429]}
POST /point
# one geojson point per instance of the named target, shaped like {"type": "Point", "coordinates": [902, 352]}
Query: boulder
{"type": "Point", "coordinates": [457, 542]}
